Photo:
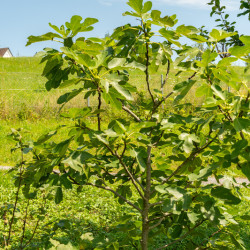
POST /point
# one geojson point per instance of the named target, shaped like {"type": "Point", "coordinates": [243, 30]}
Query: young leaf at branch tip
{"type": "Point", "coordinates": [70, 82]}
{"type": "Point", "coordinates": [147, 7]}
{"type": "Point", "coordinates": [182, 89]}
{"type": "Point", "coordinates": [218, 35]}
{"type": "Point", "coordinates": [68, 96]}
{"type": "Point", "coordinates": [46, 37]}
{"type": "Point", "coordinates": [136, 5]}
{"type": "Point", "coordinates": [116, 62]}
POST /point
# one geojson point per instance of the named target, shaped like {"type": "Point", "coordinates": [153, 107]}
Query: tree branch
{"type": "Point", "coordinates": [117, 194]}
{"type": "Point", "coordinates": [167, 75]}
{"type": "Point", "coordinates": [99, 107]}
{"type": "Point", "coordinates": [17, 196]}
{"type": "Point", "coordinates": [156, 204]}
{"type": "Point", "coordinates": [183, 236]}
{"type": "Point", "coordinates": [131, 113]}
{"type": "Point", "coordinates": [160, 217]}
{"type": "Point", "coordinates": [37, 223]}
{"type": "Point", "coordinates": [147, 66]}
{"type": "Point", "coordinates": [132, 177]}
{"type": "Point", "coordinates": [218, 231]}
{"type": "Point", "coordinates": [191, 156]}
{"type": "Point", "coordinates": [24, 223]}
{"type": "Point", "coordinates": [157, 224]}
{"type": "Point", "coordinates": [108, 189]}
{"type": "Point", "coordinates": [167, 96]}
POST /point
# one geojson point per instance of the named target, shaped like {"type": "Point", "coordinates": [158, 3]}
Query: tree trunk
{"type": "Point", "coordinates": [145, 226]}
{"type": "Point", "coordinates": [145, 211]}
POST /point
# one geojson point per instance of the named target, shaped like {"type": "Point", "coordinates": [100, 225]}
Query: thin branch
{"type": "Point", "coordinates": [16, 200]}
{"type": "Point", "coordinates": [37, 224]}
{"type": "Point", "coordinates": [5, 223]}
{"type": "Point", "coordinates": [147, 193]}
{"type": "Point", "coordinates": [131, 113]}
{"type": "Point", "coordinates": [247, 99]}
{"type": "Point", "coordinates": [132, 177]}
{"type": "Point", "coordinates": [147, 66]}
{"type": "Point", "coordinates": [168, 95]}
{"type": "Point", "coordinates": [148, 173]}
{"type": "Point", "coordinates": [24, 223]}
{"type": "Point", "coordinates": [117, 194]}
{"type": "Point", "coordinates": [124, 149]}
{"type": "Point", "coordinates": [34, 232]}
{"type": "Point", "coordinates": [161, 101]}
{"type": "Point", "coordinates": [157, 224]}
{"type": "Point", "coordinates": [160, 217]}
{"type": "Point", "coordinates": [156, 204]}
{"type": "Point", "coordinates": [147, 73]}
{"type": "Point", "coordinates": [192, 76]}
{"type": "Point", "coordinates": [155, 143]}
{"type": "Point", "coordinates": [191, 156]}
{"type": "Point", "coordinates": [241, 114]}
{"type": "Point", "coordinates": [167, 75]}
{"type": "Point", "coordinates": [108, 189]}
{"type": "Point", "coordinates": [219, 52]}
{"type": "Point", "coordinates": [212, 235]}
{"type": "Point", "coordinates": [227, 116]}
{"type": "Point", "coordinates": [183, 236]}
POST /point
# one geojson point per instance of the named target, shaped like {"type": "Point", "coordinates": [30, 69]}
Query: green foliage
{"type": "Point", "coordinates": [160, 161]}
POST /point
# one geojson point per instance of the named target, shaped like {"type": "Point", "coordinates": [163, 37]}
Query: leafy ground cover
{"type": "Point", "coordinates": [87, 219]}
{"type": "Point", "coordinates": [34, 129]}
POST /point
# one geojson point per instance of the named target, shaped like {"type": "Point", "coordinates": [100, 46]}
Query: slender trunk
{"type": "Point", "coordinates": [145, 226]}
{"type": "Point", "coordinates": [99, 107]}
{"type": "Point", "coordinates": [24, 223]}
{"type": "Point", "coordinates": [15, 206]}
{"type": "Point", "coordinates": [37, 224]}
{"type": "Point", "coordinates": [145, 212]}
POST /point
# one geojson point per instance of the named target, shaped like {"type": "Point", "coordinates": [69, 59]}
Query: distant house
{"type": "Point", "coordinates": [5, 52]}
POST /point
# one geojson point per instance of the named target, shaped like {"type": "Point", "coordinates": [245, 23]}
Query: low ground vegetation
{"type": "Point", "coordinates": [88, 219]}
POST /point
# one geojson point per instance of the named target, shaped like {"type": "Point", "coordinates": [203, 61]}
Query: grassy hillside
{"type": "Point", "coordinates": [24, 102]}
{"type": "Point", "coordinates": [23, 94]}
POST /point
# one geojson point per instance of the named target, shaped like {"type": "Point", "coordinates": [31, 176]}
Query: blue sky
{"type": "Point", "coordinates": [20, 19]}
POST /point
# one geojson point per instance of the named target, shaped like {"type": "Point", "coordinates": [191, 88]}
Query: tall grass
{"type": "Point", "coordinates": [22, 91]}
{"type": "Point", "coordinates": [23, 94]}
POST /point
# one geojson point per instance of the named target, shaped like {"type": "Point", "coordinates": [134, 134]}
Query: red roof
{"type": "Point", "coordinates": [3, 51]}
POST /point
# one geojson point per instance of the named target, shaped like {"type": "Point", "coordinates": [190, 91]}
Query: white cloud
{"type": "Point", "coordinates": [107, 3]}
{"type": "Point", "coordinates": [230, 4]}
